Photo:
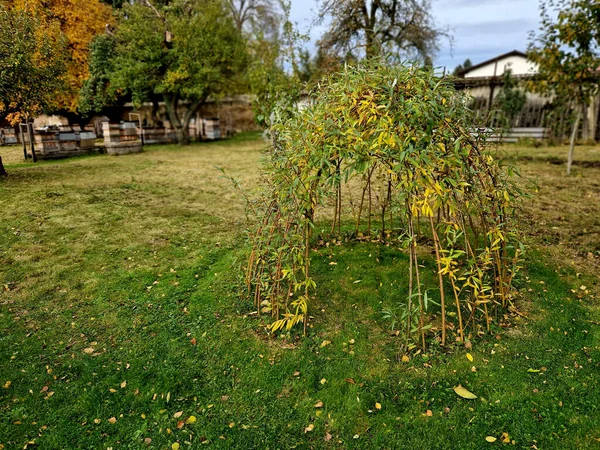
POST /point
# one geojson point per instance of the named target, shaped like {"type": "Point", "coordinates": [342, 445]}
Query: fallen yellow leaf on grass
{"type": "Point", "coordinates": [405, 358]}
{"type": "Point", "coordinates": [178, 414]}
{"type": "Point", "coordinates": [464, 393]}
{"type": "Point", "coordinates": [7, 384]}
{"type": "Point", "coordinates": [175, 446]}
{"type": "Point", "coordinates": [377, 405]}
{"type": "Point", "coordinates": [112, 390]}
{"type": "Point", "coordinates": [112, 420]}
{"type": "Point", "coordinates": [191, 419]}
{"type": "Point", "coordinates": [319, 404]}
{"type": "Point", "coordinates": [123, 384]}
{"type": "Point", "coordinates": [491, 439]}
{"type": "Point", "coordinates": [325, 343]}
{"type": "Point", "coordinates": [309, 428]}
{"type": "Point", "coordinates": [470, 357]}
{"type": "Point", "coordinates": [88, 351]}
{"type": "Point", "coordinates": [323, 381]}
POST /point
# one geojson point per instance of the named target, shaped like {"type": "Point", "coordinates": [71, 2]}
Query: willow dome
{"type": "Point", "coordinates": [388, 154]}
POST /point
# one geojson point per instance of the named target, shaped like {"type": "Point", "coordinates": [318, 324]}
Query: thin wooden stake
{"type": "Point", "coordinates": [440, 279]}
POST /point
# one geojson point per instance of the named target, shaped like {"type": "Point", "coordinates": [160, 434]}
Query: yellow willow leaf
{"type": "Point", "coordinates": [191, 419]}
{"type": "Point", "coordinates": [377, 405]}
{"type": "Point", "coordinates": [470, 357]}
{"type": "Point", "coordinates": [309, 428]}
{"type": "Point", "coordinates": [464, 393]}
{"type": "Point", "coordinates": [490, 439]}
{"type": "Point", "coordinates": [175, 446]}
{"type": "Point", "coordinates": [178, 414]}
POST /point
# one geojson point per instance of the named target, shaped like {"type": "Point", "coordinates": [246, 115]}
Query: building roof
{"type": "Point", "coordinates": [491, 61]}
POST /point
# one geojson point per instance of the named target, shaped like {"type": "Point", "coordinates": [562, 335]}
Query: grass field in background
{"type": "Point", "coordinates": [121, 325]}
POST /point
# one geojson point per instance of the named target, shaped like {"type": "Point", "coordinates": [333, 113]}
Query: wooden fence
{"type": "Point", "coordinates": [540, 115]}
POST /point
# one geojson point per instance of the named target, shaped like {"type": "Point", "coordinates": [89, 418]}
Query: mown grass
{"type": "Point", "coordinates": [118, 295]}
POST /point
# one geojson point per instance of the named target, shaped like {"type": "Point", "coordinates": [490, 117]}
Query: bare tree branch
{"type": "Point", "coordinates": [404, 28]}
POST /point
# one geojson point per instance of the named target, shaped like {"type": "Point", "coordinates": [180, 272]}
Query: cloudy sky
{"type": "Point", "coordinates": [482, 29]}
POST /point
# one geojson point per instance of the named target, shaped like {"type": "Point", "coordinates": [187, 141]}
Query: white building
{"type": "Point", "coordinates": [516, 61]}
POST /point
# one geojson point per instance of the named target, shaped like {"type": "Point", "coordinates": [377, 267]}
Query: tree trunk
{"type": "Point", "coordinates": [183, 135]}
{"type": "Point", "coordinates": [572, 143]}
{"type": "Point", "coordinates": [181, 124]}
{"type": "Point", "coordinates": [593, 114]}
{"type": "Point", "coordinates": [31, 141]}
{"type": "Point", "coordinates": [370, 44]}
{"type": "Point", "coordinates": [2, 170]}
{"type": "Point", "coordinates": [369, 13]}
{"type": "Point", "coordinates": [155, 112]}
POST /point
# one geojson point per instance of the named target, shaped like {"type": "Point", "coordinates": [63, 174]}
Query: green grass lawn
{"type": "Point", "coordinates": [121, 325]}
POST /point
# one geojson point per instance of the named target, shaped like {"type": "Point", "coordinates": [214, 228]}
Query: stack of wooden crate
{"type": "Point", "coordinates": [122, 138]}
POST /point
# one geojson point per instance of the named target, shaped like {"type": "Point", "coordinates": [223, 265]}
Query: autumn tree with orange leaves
{"type": "Point", "coordinates": [80, 21]}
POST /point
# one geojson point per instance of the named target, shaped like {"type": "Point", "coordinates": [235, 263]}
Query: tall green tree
{"type": "Point", "coordinates": [32, 64]}
{"type": "Point", "coordinates": [567, 51]}
{"type": "Point", "coordinates": [371, 28]}
{"type": "Point", "coordinates": [97, 92]}
{"type": "Point", "coordinates": [182, 50]}
{"type": "Point", "coordinates": [458, 69]}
